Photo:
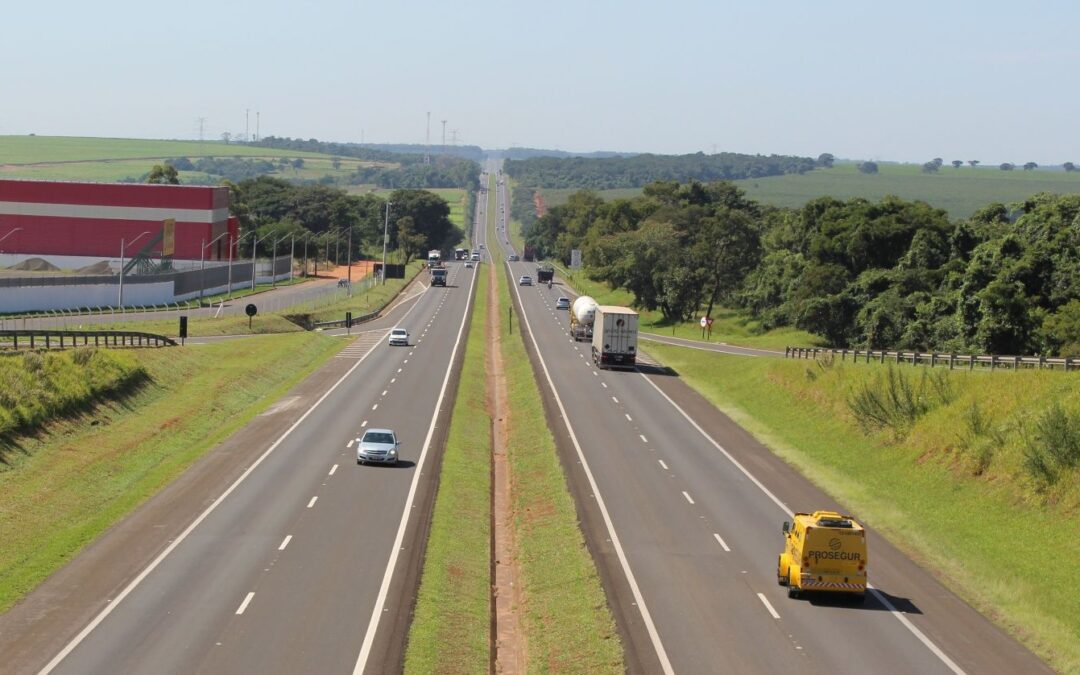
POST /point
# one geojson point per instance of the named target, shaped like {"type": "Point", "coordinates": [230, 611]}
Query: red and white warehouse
{"type": "Point", "coordinates": [89, 220]}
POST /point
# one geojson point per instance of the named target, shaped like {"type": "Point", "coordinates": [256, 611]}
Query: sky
{"type": "Point", "coordinates": [899, 81]}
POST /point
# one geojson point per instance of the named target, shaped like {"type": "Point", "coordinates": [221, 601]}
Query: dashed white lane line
{"type": "Point", "coordinates": [384, 392]}
{"type": "Point", "coordinates": [363, 424]}
{"type": "Point", "coordinates": [643, 439]}
{"type": "Point", "coordinates": [663, 464]}
{"type": "Point", "coordinates": [615, 399]}
{"type": "Point", "coordinates": [720, 541]}
{"type": "Point", "coordinates": [244, 604]}
{"type": "Point", "coordinates": [768, 605]}
{"type": "Point", "coordinates": [399, 370]}
{"type": "Point", "coordinates": [284, 543]}
{"type": "Point", "coordinates": [316, 498]}
{"type": "Point", "coordinates": [333, 469]}
{"type": "Point", "coordinates": [596, 373]}
{"type": "Point", "coordinates": [375, 407]}
{"type": "Point", "coordinates": [688, 497]}
{"type": "Point", "coordinates": [393, 380]}
{"type": "Point", "coordinates": [604, 385]}
{"type": "Point", "coordinates": [349, 444]}
{"type": "Point", "coordinates": [406, 360]}
{"type": "Point", "coordinates": [628, 418]}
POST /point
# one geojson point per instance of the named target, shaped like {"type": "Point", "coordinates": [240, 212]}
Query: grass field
{"type": "Point", "coordinates": [955, 498]}
{"type": "Point", "coordinates": [450, 631]}
{"type": "Point", "coordinates": [455, 197]}
{"type": "Point", "coordinates": [959, 191]}
{"type": "Point", "coordinates": [128, 450]}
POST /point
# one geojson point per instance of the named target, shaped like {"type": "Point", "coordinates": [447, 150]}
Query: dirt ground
{"type": "Point", "coordinates": [360, 269]}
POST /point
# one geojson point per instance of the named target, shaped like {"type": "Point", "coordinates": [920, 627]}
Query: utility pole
{"type": "Point", "coordinates": [256, 125]}
{"type": "Point", "coordinates": [385, 238]}
{"type": "Point", "coordinates": [444, 136]}
{"type": "Point", "coordinates": [247, 124]}
{"type": "Point", "coordinates": [427, 141]}
{"type": "Point", "coordinates": [202, 123]}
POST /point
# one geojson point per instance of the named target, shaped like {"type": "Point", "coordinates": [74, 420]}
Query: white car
{"type": "Point", "coordinates": [398, 336]}
{"type": "Point", "coordinates": [562, 303]}
{"type": "Point", "coordinates": [377, 445]}
{"type": "Point", "coordinates": [525, 280]}
{"type": "Point", "coordinates": [468, 264]}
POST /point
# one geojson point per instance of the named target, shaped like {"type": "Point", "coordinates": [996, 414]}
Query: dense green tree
{"type": "Point", "coordinates": [1030, 166]}
{"type": "Point", "coordinates": [826, 160]}
{"type": "Point", "coordinates": [1069, 167]}
{"type": "Point", "coordinates": [163, 174]}
{"type": "Point", "coordinates": [868, 167]}
{"type": "Point", "coordinates": [957, 163]}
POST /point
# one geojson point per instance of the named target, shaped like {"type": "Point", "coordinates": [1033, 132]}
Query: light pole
{"type": "Point", "coordinates": [202, 264]}
{"type": "Point", "coordinates": [273, 260]}
{"type": "Point", "coordinates": [385, 238]}
{"type": "Point", "coordinates": [120, 294]}
{"type": "Point", "coordinates": [232, 245]}
{"type": "Point", "coordinates": [328, 233]}
{"type": "Point", "coordinates": [348, 257]}
{"type": "Point", "coordinates": [254, 246]}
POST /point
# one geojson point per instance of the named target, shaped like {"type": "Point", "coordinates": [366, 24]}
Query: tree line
{"type": "Point", "coordinates": [639, 170]}
{"type": "Point", "coordinates": [279, 211]}
{"type": "Point", "coordinates": [892, 274]}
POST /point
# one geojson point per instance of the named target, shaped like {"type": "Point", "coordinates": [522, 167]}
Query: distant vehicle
{"type": "Point", "coordinates": [823, 552]}
{"type": "Point", "coordinates": [525, 280]}
{"type": "Point", "coordinates": [377, 445]}
{"type": "Point", "coordinates": [562, 303]}
{"type": "Point", "coordinates": [582, 312]}
{"type": "Point", "coordinates": [476, 255]}
{"type": "Point", "coordinates": [468, 263]}
{"type": "Point", "coordinates": [398, 336]}
{"type": "Point", "coordinates": [529, 253]}
{"type": "Point", "coordinates": [438, 276]}
{"type": "Point", "coordinates": [343, 283]}
{"type": "Point", "coordinates": [434, 258]}
{"type": "Point", "coordinates": [545, 273]}
{"type": "Point", "coordinates": [512, 257]}
{"type": "Point", "coordinates": [461, 253]}
{"type": "Point", "coordinates": [481, 247]}
{"type": "Point", "coordinates": [614, 336]}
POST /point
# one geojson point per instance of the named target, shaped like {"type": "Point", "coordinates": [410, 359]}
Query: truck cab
{"type": "Point", "coordinates": [438, 276]}
{"type": "Point", "coordinates": [823, 552]}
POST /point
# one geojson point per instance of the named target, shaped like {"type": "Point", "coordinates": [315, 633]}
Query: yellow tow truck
{"type": "Point", "coordinates": [823, 552]}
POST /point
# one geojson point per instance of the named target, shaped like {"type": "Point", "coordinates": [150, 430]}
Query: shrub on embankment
{"type": "Point", "coordinates": [36, 387]}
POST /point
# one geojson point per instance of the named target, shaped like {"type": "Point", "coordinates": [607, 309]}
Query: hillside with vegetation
{"type": "Point", "coordinates": [860, 273]}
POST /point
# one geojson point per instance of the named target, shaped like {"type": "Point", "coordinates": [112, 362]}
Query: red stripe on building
{"type": "Point", "coordinates": [113, 194]}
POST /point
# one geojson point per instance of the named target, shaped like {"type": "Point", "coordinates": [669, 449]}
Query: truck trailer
{"type": "Point", "coordinates": [614, 337]}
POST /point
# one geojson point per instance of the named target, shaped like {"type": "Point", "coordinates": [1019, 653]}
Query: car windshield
{"type": "Point", "coordinates": [398, 331]}
{"type": "Point", "coordinates": [378, 437]}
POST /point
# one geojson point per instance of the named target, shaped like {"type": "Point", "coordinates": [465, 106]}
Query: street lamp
{"type": "Point", "coordinates": [273, 260]}
{"type": "Point", "coordinates": [234, 244]}
{"type": "Point", "coordinates": [202, 264]}
{"type": "Point", "coordinates": [120, 294]}
{"type": "Point", "coordinates": [254, 247]}
{"type": "Point", "coordinates": [385, 238]}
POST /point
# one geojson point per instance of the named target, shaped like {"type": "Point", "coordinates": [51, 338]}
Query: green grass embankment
{"type": "Point", "coordinates": [451, 627]}
{"type": "Point", "coordinates": [78, 476]}
{"type": "Point", "coordinates": [951, 488]}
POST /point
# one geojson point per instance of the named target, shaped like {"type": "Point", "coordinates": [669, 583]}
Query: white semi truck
{"type": "Point", "coordinates": [581, 318]}
{"type": "Point", "coordinates": [614, 337]}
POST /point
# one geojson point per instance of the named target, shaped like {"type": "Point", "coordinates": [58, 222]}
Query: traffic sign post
{"type": "Point", "coordinates": [706, 325]}
{"type": "Point", "coordinates": [251, 310]}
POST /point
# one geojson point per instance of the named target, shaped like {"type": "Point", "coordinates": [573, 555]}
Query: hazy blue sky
{"type": "Point", "coordinates": [994, 81]}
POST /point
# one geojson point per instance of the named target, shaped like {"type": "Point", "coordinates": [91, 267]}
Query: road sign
{"type": "Point", "coordinates": [575, 259]}
{"type": "Point", "coordinates": [251, 310]}
{"type": "Point", "coordinates": [704, 321]}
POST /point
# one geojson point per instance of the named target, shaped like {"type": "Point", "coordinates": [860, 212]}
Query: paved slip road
{"type": "Point", "coordinates": [276, 553]}
{"type": "Point", "coordinates": [687, 540]}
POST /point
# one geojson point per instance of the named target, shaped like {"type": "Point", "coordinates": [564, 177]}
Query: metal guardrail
{"type": "Point", "coordinates": [935, 359]}
{"type": "Point", "coordinates": [340, 323]}
{"type": "Point", "coordinates": [69, 339]}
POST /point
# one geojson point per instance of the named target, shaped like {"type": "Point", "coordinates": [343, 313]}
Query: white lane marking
{"type": "Point", "coordinates": [722, 542]}
{"type": "Point", "coordinates": [615, 399]}
{"type": "Point", "coordinates": [384, 392]}
{"type": "Point", "coordinates": [628, 418]}
{"type": "Point", "coordinates": [663, 464]}
{"type": "Point", "coordinates": [399, 370]}
{"type": "Point", "coordinates": [244, 604]}
{"type": "Point", "coordinates": [768, 606]}
{"type": "Point", "coordinates": [333, 469]}
{"type": "Point", "coordinates": [380, 601]}
{"type": "Point", "coordinates": [285, 542]}
{"type": "Point", "coordinates": [688, 497]}
{"type": "Point", "coordinates": [363, 424]}
{"type": "Point", "coordinates": [595, 373]}
{"type": "Point", "coordinates": [406, 360]}
{"type": "Point", "coordinates": [934, 649]}
{"type": "Point", "coordinates": [316, 498]}
{"type": "Point", "coordinates": [349, 444]}
{"type": "Point", "coordinates": [604, 385]}
{"type": "Point", "coordinates": [646, 616]}
{"type": "Point", "coordinates": [393, 380]}
{"type": "Point", "coordinates": [643, 439]}
{"type": "Point", "coordinates": [375, 407]}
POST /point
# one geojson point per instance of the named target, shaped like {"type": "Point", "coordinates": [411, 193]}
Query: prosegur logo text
{"type": "Point", "coordinates": [818, 556]}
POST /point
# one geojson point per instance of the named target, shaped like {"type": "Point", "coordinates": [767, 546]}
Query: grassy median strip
{"type": "Point", "coordinates": [451, 627]}
{"type": "Point", "coordinates": [568, 626]}
{"type": "Point", "coordinates": [950, 486]}
{"type": "Point", "coordinates": [83, 473]}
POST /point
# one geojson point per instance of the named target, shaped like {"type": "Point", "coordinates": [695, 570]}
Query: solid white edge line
{"type": "Point", "coordinates": [285, 542]}
{"type": "Point", "coordinates": [768, 605]}
{"type": "Point", "coordinates": [244, 604]}
{"type": "Point", "coordinates": [720, 541]}
{"type": "Point", "coordinates": [384, 589]}
{"type": "Point", "coordinates": [69, 647]}
{"type": "Point", "coordinates": [688, 497]}
{"type": "Point", "coordinates": [934, 649]}
{"type": "Point", "coordinates": [654, 635]}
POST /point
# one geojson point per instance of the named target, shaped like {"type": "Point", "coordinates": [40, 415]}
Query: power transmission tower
{"type": "Point", "coordinates": [202, 123]}
{"type": "Point", "coordinates": [256, 125]}
{"type": "Point", "coordinates": [247, 124]}
{"type": "Point", "coordinates": [444, 136]}
{"type": "Point", "coordinates": [427, 141]}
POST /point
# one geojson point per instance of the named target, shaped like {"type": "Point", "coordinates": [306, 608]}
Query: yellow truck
{"type": "Point", "coordinates": [823, 551]}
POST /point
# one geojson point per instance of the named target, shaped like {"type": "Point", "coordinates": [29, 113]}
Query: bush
{"type": "Point", "coordinates": [897, 400]}
{"type": "Point", "coordinates": [1055, 447]}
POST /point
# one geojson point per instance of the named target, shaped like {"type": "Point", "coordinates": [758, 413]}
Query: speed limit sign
{"type": "Point", "coordinates": [704, 321]}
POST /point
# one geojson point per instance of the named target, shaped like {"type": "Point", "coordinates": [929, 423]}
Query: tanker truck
{"type": "Point", "coordinates": [581, 318]}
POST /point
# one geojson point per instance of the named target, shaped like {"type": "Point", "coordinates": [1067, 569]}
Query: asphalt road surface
{"type": "Point", "coordinates": [683, 511]}
{"type": "Point", "coordinates": [276, 552]}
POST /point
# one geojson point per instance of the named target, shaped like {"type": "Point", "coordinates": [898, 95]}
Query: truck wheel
{"type": "Point", "coordinates": [792, 592]}
{"type": "Point", "coordinates": [781, 577]}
